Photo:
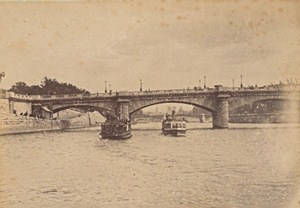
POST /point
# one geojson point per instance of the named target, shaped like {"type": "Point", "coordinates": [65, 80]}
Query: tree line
{"type": "Point", "coordinates": [48, 86]}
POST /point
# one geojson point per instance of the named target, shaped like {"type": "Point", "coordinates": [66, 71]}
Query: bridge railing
{"type": "Point", "coordinates": [156, 92]}
{"type": "Point", "coordinates": [146, 92]}
{"type": "Point", "coordinates": [53, 97]}
{"type": "Point", "coordinates": [197, 90]}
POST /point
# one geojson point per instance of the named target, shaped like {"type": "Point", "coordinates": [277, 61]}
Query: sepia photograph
{"type": "Point", "coordinates": [150, 104]}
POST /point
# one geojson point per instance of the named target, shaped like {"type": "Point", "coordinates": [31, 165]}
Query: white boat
{"type": "Point", "coordinates": [173, 127]}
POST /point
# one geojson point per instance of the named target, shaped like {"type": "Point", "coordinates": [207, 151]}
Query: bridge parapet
{"type": "Point", "coordinates": [12, 95]}
{"type": "Point", "coordinates": [206, 91]}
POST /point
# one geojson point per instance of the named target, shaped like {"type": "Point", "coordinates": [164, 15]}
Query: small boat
{"type": "Point", "coordinates": [171, 126]}
{"type": "Point", "coordinates": [116, 129]}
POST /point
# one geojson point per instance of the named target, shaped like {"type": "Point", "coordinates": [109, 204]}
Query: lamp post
{"type": "Point", "coordinates": [241, 81]}
{"type": "Point", "coordinates": [204, 82]}
{"type": "Point", "coordinates": [233, 84]}
{"type": "Point", "coordinates": [141, 85]}
{"type": "Point", "coordinates": [105, 86]}
{"type": "Point", "coordinates": [199, 83]}
{"type": "Point", "coordinates": [2, 74]}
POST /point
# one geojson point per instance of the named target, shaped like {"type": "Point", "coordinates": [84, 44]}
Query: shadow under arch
{"type": "Point", "coordinates": [285, 100]}
{"type": "Point", "coordinates": [85, 107]}
{"type": "Point", "coordinates": [174, 101]}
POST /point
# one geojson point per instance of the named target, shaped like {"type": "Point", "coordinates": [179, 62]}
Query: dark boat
{"type": "Point", "coordinates": [115, 129]}
{"type": "Point", "coordinates": [173, 127]}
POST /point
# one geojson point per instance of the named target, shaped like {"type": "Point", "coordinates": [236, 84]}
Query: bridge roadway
{"type": "Point", "coordinates": [218, 100]}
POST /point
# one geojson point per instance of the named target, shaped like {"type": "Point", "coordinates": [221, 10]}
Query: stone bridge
{"type": "Point", "coordinates": [218, 100]}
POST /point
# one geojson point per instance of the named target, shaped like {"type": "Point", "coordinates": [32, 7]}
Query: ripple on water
{"type": "Point", "coordinates": [247, 167]}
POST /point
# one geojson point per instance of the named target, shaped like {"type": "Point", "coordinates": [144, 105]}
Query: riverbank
{"type": "Point", "coordinates": [11, 124]}
{"type": "Point", "coordinates": [19, 124]}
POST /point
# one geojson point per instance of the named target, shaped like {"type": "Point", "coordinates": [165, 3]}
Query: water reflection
{"type": "Point", "coordinates": [255, 166]}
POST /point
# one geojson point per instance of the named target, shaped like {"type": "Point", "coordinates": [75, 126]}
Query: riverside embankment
{"type": "Point", "coordinates": [13, 124]}
{"type": "Point", "coordinates": [14, 121]}
{"type": "Point", "coordinates": [22, 125]}
{"type": "Point", "coordinates": [17, 124]}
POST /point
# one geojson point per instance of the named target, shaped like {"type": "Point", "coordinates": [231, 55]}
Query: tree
{"type": "Point", "coordinates": [52, 86]}
{"type": "Point", "coordinates": [20, 88]}
{"type": "Point", "coordinates": [35, 90]}
{"type": "Point", "coordinates": [48, 86]}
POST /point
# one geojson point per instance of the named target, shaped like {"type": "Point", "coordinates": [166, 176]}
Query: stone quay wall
{"type": "Point", "coordinates": [16, 124]}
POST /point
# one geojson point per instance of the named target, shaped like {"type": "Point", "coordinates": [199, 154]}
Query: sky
{"type": "Point", "coordinates": [167, 44]}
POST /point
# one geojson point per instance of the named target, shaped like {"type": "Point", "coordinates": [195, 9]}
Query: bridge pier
{"type": "Point", "coordinates": [220, 117]}
{"type": "Point", "coordinates": [123, 109]}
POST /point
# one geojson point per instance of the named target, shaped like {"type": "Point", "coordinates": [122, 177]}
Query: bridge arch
{"type": "Point", "coordinates": [135, 109]}
{"type": "Point", "coordinates": [234, 104]}
{"type": "Point", "coordinates": [91, 108]}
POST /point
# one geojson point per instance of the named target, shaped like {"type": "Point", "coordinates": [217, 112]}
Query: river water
{"type": "Point", "coordinates": [244, 166]}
